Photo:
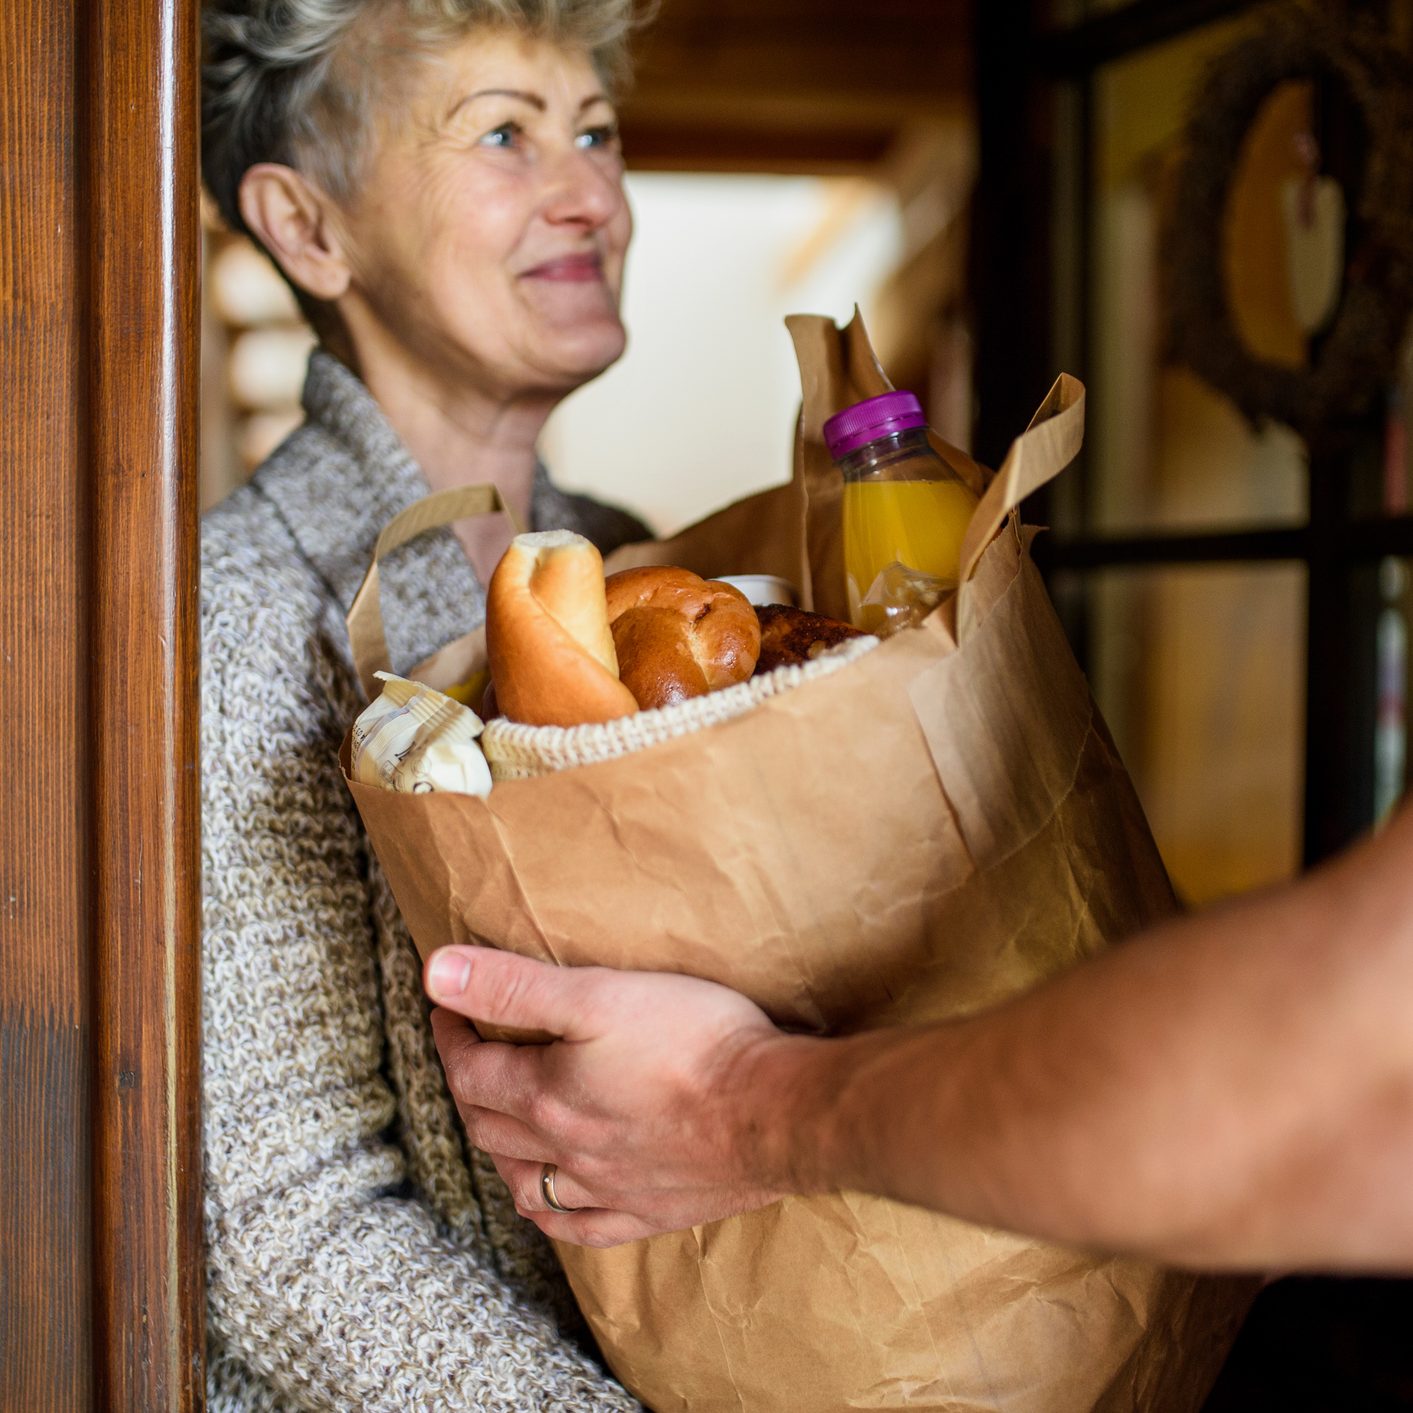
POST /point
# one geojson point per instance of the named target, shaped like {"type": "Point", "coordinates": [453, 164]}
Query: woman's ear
{"type": "Point", "coordinates": [296, 224]}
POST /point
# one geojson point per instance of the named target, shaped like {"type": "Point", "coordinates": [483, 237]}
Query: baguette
{"type": "Point", "coordinates": [548, 642]}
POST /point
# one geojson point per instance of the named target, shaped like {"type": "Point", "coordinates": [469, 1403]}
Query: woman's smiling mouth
{"type": "Point", "coordinates": [571, 268]}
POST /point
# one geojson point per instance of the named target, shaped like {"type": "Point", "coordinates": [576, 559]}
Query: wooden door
{"type": "Point", "coordinates": [100, 1262]}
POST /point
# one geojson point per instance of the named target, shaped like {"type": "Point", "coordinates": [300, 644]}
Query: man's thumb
{"type": "Point", "coordinates": [501, 991]}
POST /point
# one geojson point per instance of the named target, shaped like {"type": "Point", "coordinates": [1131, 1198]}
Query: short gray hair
{"type": "Point", "coordinates": [282, 80]}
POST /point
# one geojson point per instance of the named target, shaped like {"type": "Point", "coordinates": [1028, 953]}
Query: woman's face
{"type": "Point", "coordinates": [486, 241]}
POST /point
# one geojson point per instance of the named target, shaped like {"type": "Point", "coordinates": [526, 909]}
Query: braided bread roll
{"type": "Point", "coordinates": [548, 642]}
{"type": "Point", "coordinates": [678, 635]}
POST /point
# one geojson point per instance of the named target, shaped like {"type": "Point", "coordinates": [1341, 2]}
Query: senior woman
{"type": "Point", "coordinates": [440, 181]}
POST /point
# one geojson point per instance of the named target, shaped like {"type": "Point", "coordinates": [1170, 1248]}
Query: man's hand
{"type": "Point", "coordinates": [1232, 1089]}
{"type": "Point", "coordinates": [647, 1104]}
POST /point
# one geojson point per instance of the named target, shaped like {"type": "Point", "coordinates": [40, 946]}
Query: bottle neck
{"type": "Point", "coordinates": [901, 456]}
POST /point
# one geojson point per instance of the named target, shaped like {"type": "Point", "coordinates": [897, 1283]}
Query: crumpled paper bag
{"type": "Point", "coordinates": [939, 826]}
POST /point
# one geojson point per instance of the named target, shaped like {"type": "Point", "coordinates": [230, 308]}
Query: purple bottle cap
{"type": "Point", "coordinates": [864, 422]}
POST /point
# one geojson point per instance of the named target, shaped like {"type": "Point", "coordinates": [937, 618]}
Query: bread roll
{"type": "Point", "coordinates": [678, 635]}
{"type": "Point", "coordinates": [790, 636]}
{"type": "Point", "coordinates": [548, 642]}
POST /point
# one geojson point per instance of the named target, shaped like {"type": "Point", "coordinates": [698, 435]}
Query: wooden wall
{"type": "Point", "coordinates": [793, 85]}
{"type": "Point", "coordinates": [100, 1264]}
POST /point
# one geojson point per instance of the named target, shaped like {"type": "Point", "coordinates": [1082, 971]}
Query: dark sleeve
{"type": "Point", "coordinates": [606, 526]}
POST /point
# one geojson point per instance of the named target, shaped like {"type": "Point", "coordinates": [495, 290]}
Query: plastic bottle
{"type": "Point", "coordinates": [905, 512]}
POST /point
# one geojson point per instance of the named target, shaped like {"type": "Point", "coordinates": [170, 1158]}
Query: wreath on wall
{"type": "Point", "coordinates": [1354, 354]}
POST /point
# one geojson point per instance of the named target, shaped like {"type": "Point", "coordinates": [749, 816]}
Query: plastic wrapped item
{"type": "Point", "coordinates": [900, 597]}
{"type": "Point", "coordinates": [415, 738]}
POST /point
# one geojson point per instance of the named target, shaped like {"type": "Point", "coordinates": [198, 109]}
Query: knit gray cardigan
{"type": "Point", "coordinates": [360, 1256]}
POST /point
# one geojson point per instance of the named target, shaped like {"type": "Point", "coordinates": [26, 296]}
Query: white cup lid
{"type": "Point", "coordinates": [762, 588]}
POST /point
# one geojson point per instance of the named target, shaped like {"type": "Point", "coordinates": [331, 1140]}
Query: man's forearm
{"type": "Point", "coordinates": [1230, 1089]}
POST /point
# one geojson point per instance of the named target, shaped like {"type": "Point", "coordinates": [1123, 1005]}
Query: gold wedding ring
{"type": "Point", "coordinates": [547, 1190]}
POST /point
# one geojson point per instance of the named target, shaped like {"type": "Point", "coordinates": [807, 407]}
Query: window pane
{"type": "Point", "coordinates": [1167, 451]}
{"type": "Point", "coordinates": [1385, 486]}
{"type": "Point", "coordinates": [1392, 593]}
{"type": "Point", "coordinates": [1200, 673]}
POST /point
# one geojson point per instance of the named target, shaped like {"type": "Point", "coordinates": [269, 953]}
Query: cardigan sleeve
{"type": "Point", "coordinates": [328, 1277]}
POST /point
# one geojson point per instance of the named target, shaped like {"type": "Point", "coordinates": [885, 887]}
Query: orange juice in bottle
{"type": "Point", "coordinates": [905, 512]}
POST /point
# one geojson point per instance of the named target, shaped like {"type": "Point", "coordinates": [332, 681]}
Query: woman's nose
{"type": "Point", "coordinates": [583, 191]}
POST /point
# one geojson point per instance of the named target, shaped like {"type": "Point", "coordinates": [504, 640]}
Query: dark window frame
{"type": "Point", "coordinates": [1037, 137]}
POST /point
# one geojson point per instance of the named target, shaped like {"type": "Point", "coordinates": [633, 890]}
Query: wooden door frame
{"type": "Point", "coordinates": [101, 1292]}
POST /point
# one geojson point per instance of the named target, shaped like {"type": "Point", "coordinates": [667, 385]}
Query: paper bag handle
{"type": "Point", "coordinates": [365, 616]}
{"type": "Point", "coordinates": [1038, 455]}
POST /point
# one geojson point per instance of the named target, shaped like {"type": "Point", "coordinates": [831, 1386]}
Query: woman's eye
{"type": "Point", "coordinates": [605, 135]}
{"type": "Point", "coordinates": [506, 135]}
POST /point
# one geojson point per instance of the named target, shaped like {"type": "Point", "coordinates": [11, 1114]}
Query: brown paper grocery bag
{"type": "Point", "coordinates": [937, 826]}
